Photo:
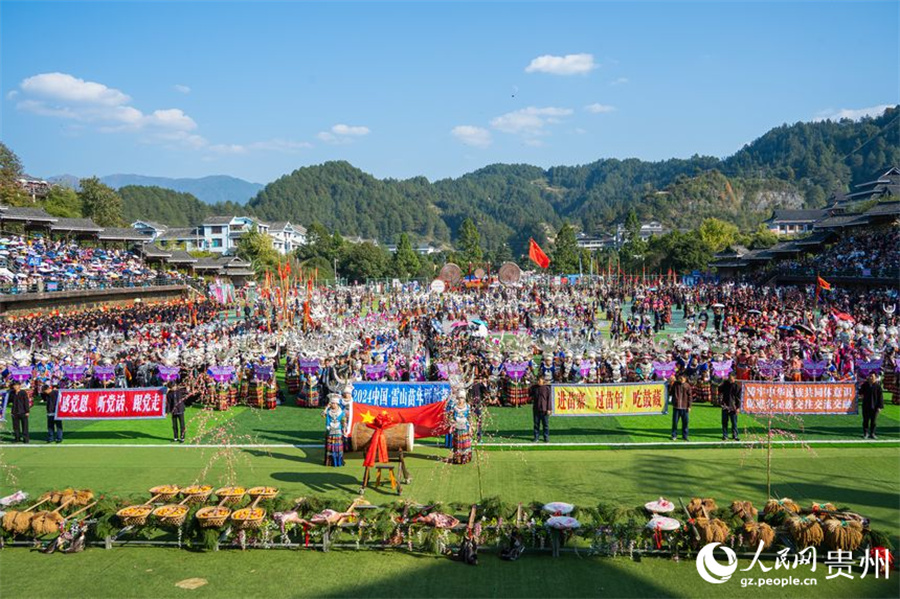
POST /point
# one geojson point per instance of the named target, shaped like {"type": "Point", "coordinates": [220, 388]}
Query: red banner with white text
{"type": "Point", "coordinates": [111, 404]}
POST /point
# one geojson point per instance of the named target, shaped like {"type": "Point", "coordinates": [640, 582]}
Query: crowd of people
{"type": "Point", "coordinates": [861, 254]}
{"type": "Point", "coordinates": [43, 264]}
{"type": "Point", "coordinates": [496, 346]}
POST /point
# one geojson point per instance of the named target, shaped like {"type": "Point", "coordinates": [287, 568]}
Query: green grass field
{"type": "Point", "coordinates": [865, 478]}
{"type": "Point", "coordinates": [289, 424]}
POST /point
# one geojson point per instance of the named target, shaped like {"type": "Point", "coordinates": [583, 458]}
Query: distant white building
{"type": "Point", "coordinates": [423, 249]}
{"type": "Point", "coordinates": [286, 237]}
{"type": "Point", "coordinates": [592, 243]}
{"type": "Point", "coordinates": [221, 234]}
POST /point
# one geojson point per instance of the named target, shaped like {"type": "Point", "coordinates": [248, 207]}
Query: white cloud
{"type": "Point", "coordinates": [109, 110]}
{"type": "Point", "coordinates": [852, 113]}
{"type": "Point", "coordinates": [356, 131]}
{"type": "Point", "coordinates": [529, 121]}
{"type": "Point", "coordinates": [12, 95]}
{"type": "Point", "coordinates": [341, 134]}
{"type": "Point", "coordinates": [570, 64]}
{"type": "Point", "coordinates": [66, 88]}
{"type": "Point", "coordinates": [472, 136]}
{"type": "Point", "coordinates": [596, 108]}
{"type": "Point", "coordinates": [619, 81]}
{"type": "Point", "coordinates": [172, 118]}
{"type": "Point", "coordinates": [182, 89]}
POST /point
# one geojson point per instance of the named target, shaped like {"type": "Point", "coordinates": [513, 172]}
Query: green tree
{"type": "Point", "coordinates": [361, 261]}
{"type": "Point", "coordinates": [63, 202]}
{"type": "Point", "coordinates": [762, 238]}
{"type": "Point", "coordinates": [632, 225]}
{"type": "Point", "coordinates": [405, 262]}
{"type": "Point", "coordinates": [258, 250]}
{"type": "Point", "coordinates": [11, 193]}
{"type": "Point", "coordinates": [564, 257]}
{"type": "Point", "coordinates": [717, 234]}
{"type": "Point", "coordinates": [470, 242]}
{"type": "Point", "coordinates": [101, 203]}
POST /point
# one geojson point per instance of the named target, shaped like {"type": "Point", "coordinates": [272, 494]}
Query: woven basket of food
{"type": "Point", "coordinates": [230, 494]}
{"type": "Point", "coordinates": [134, 515]}
{"type": "Point", "coordinates": [172, 514]}
{"type": "Point", "coordinates": [248, 517]}
{"type": "Point", "coordinates": [196, 493]}
{"type": "Point", "coordinates": [262, 492]}
{"type": "Point", "coordinates": [213, 516]}
{"type": "Point", "coordinates": [165, 492]}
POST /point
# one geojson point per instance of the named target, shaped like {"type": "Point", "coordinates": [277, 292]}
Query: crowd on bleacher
{"type": "Point", "coordinates": [42, 264]}
{"type": "Point", "coordinates": [865, 254]}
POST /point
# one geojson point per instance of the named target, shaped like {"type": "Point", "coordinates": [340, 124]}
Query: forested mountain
{"type": "Point", "coordinates": [173, 208]}
{"type": "Point", "coordinates": [791, 166]}
{"type": "Point", "coordinates": [347, 200]}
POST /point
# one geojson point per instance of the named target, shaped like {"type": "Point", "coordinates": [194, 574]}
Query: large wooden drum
{"type": "Point", "coordinates": [399, 436]}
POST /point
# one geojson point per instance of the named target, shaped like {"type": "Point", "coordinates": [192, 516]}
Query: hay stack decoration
{"type": "Point", "coordinates": [775, 506]}
{"type": "Point", "coordinates": [744, 510]}
{"type": "Point", "coordinates": [46, 523]}
{"type": "Point", "coordinates": [754, 532]}
{"type": "Point", "coordinates": [843, 535]}
{"type": "Point", "coordinates": [805, 531]}
{"type": "Point", "coordinates": [19, 522]}
{"type": "Point", "coordinates": [702, 507]}
{"type": "Point", "coordinates": [712, 531]}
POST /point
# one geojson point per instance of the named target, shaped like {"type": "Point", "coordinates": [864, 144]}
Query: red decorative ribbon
{"type": "Point", "coordinates": [657, 536]}
{"type": "Point", "coordinates": [306, 534]}
{"type": "Point", "coordinates": [377, 451]}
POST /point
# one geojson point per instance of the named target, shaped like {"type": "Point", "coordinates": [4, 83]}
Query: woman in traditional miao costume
{"type": "Point", "coordinates": [701, 384]}
{"type": "Point", "coordinates": [517, 388]}
{"type": "Point", "coordinates": [335, 422]}
{"type": "Point", "coordinates": [309, 390]}
{"type": "Point", "coordinates": [460, 426]}
{"type": "Point", "coordinates": [292, 375]}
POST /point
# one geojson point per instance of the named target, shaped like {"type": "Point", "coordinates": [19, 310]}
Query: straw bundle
{"type": "Point", "coordinates": [73, 496]}
{"type": "Point", "coordinates": [19, 522]}
{"type": "Point", "coordinates": [712, 531]}
{"type": "Point", "coordinates": [46, 523]}
{"type": "Point", "coordinates": [744, 510]}
{"type": "Point", "coordinates": [701, 507]}
{"type": "Point", "coordinates": [823, 507]}
{"type": "Point", "coordinates": [759, 531]}
{"type": "Point", "coordinates": [846, 535]}
{"type": "Point", "coordinates": [774, 506]}
{"type": "Point", "coordinates": [806, 531]}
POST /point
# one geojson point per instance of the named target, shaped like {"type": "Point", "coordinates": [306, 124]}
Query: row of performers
{"type": "Point", "coordinates": [507, 384]}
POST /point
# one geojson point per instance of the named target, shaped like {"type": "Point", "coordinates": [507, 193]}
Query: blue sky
{"type": "Point", "coordinates": [255, 90]}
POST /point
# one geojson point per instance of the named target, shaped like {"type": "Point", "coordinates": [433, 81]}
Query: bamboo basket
{"type": "Point", "coordinates": [229, 495]}
{"type": "Point", "coordinates": [172, 514]}
{"type": "Point", "coordinates": [165, 492]}
{"type": "Point", "coordinates": [196, 493]}
{"type": "Point", "coordinates": [136, 515]}
{"type": "Point", "coordinates": [249, 517]}
{"type": "Point", "coordinates": [262, 492]}
{"type": "Point", "coordinates": [214, 516]}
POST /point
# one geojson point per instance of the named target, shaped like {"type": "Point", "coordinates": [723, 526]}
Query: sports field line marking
{"type": "Point", "coordinates": [440, 446]}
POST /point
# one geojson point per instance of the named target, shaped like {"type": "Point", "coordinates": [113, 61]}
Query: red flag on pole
{"type": "Point", "coordinates": [537, 255]}
{"type": "Point", "coordinates": [825, 285]}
